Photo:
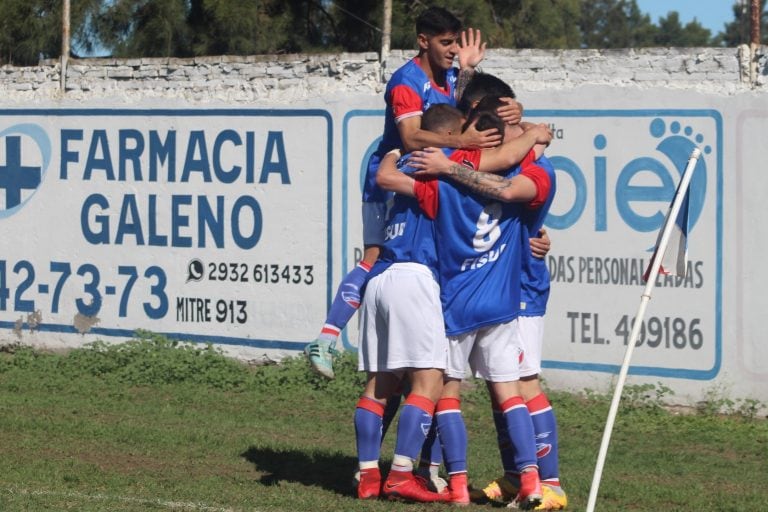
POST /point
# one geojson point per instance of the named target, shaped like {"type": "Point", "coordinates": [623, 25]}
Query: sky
{"type": "Point", "coordinates": [712, 14]}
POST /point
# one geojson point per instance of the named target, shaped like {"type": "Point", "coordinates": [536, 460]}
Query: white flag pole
{"type": "Point", "coordinates": [646, 297]}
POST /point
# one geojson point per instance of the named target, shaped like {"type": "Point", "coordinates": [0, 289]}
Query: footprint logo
{"type": "Point", "coordinates": [18, 180]}
{"type": "Point", "coordinates": [676, 144]}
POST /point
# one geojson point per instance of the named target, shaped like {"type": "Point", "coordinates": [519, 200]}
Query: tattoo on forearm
{"type": "Point", "coordinates": [484, 183]}
{"type": "Point", "coordinates": [465, 75]}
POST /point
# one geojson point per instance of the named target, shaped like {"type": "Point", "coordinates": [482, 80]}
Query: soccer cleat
{"type": "Point", "coordinates": [554, 498]}
{"type": "Point", "coordinates": [320, 354]}
{"type": "Point", "coordinates": [458, 489]}
{"type": "Point", "coordinates": [500, 490]}
{"type": "Point", "coordinates": [530, 494]}
{"type": "Point", "coordinates": [369, 486]}
{"type": "Point", "coordinates": [405, 486]}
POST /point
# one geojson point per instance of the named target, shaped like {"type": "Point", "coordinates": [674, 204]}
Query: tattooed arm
{"type": "Point", "coordinates": [493, 186]}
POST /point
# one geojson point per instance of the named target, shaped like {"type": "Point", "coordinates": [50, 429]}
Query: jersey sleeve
{"type": "Point", "coordinates": [405, 102]}
{"type": "Point", "coordinates": [426, 192]}
{"type": "Point", "coordinates": [541, 179]}
{"type": "Point", "coordinates": [467, 157]}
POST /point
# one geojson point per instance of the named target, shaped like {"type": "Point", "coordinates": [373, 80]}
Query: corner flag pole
{"type": "Point", "coordinates": [682, 189]}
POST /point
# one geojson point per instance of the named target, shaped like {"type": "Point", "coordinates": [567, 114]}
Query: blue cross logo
{"type": "Point", "coordinates": [15, 177]}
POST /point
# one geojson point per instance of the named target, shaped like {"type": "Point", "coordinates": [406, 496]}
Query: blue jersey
{"type": "Point", "coordinates": [479, 243]}
{"type": "Point", "coordinates": [535, 277]}
{"type": "Point", "coordinates": [409, 92]}
{"type": "Point", "coordinates": [409, 234]}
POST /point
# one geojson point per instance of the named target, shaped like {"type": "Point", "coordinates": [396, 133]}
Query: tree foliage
{"type": "Point", "coordinates": [31, 29]}
{"type": "Point", "coordinates": [737, 31]}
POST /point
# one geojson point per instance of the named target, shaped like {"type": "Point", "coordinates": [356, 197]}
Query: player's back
{"type": "Point", "coordinates": [478, 242]}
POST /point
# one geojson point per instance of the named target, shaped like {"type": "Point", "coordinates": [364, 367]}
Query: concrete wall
{"type": "Point", "coordinates": [217, 198]}
{"type": "Point", "coordinates": [286, 78]}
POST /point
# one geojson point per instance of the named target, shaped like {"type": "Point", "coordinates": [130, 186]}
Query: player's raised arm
{"type": "Point", "coordinates": [414, 137]}
{"type": "Point", "coordinates": [389, 177]}
{"type": "Point", "coordinates": [513, 151]}
{"type": "Point", "coordinates": [521, 188]}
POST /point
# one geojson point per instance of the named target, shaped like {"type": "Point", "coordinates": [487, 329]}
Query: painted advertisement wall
{"type": "Point", "coordinates": [210, 225]}
{"type": "Point", "coordinates": [617, 171]}
{"type": "Point", "coordinates": [234, 225]}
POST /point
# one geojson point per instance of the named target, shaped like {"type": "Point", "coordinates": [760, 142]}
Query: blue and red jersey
{"type": "Point", "coordinates": [535, 278]}
{"type": "Point", "coordinates": [479, 245]}
{"type": "Point", "coordinates": [409, 92]}
{"type": "Point", "coordinates": [409, 235]}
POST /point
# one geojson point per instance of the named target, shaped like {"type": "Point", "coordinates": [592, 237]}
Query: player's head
{"type": "Point", "coordinates": [437, 20]}
{"type": "Point", "coordinates": [437, 32]}
{"type": "Point", "coordinates": [484, 115]}
{"type": "Point", "coordinates": [480, 86]}
{"type": "Point", "coordinates": [442, 118]}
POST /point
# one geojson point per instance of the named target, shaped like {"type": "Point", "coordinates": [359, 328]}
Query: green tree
{"type": "Point", "coordinates": [233, 27]}
{"type": "Point", "coordinates": [145, 28]}
{"type": "Point", "coordinates": [615, 24]}
{"type": "Point", "coordinates": [738, 31]}
{"type": "Point", "coordinates": [358, 23]}
{"type": "Point", "coordinates": [536, 24]}
{"type": "Point", "coordinates": [672, 33]}
{"type": "Point", "coordinates": [31, 29]}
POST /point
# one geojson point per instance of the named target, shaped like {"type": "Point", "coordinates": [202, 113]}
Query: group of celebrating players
{"type": "Point", "coordinates": [453, 278]}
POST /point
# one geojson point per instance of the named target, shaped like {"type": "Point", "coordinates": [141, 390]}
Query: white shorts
{"type": "Point", "coordinates": [493, 353]}
{"type": "Point", "coordinates": [401, 321]}
{"type": "Point", "coordinates": [374, 223]}
{"type": "Point", "coordinates": [531, 340]}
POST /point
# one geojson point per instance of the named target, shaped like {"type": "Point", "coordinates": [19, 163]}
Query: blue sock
{"type": "Point", "coordinates": [453, 434]}
{"type": "Point", "coordinates": [545, 427]}
{"type": "Point", "coordinates": [505, 444]}
{"type": "Point", "coordinates": [520, 428]}
{"type": "Point", "coordinates": [347, 299]}
{"type": "Point", "coordinates": [368, 429]}
{"type": "Point", "coordinates": [415, 421]}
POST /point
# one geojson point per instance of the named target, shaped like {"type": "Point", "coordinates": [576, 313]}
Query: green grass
{"type": "Point", "coordinates": [150, 425]}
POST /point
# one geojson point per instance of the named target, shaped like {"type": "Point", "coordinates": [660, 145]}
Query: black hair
{"type": "Point", "coordinates": [437, 20]}
{"type": "Point", "coordinates": [485, 116]}
{"type": "Point", "coordinates": [441, 117]}
{"type": "Point", "coordinates": [482, 85]}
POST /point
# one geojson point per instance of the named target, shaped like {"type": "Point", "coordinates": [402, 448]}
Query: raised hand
{"type": "Point", "coordinates": [472, 49]}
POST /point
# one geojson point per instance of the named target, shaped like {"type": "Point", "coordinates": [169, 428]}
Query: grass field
{"type": "Point", "coordinates": [150, 426]}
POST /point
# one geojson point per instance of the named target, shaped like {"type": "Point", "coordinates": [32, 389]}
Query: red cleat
{"type": "Point", "coordinates": [369, 487]}
{"type": "Point", "coordinates": [530, 494]}
{"type": "Point", "coordinates": [459, 490]}
{"type": "Point", "coordinates": [403, 485]}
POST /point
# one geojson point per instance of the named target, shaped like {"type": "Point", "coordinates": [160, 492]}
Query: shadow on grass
{"type": "Point", "coordinates": [331, 471]}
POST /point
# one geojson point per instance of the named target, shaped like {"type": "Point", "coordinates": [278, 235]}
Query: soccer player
{"type": "Point", "coordinates": [535, 283]}
{"type": "Point", "coordinates": [428, 79]}
{"type": "Point", "coordinates": [534, 295]}
{"type": "Point", "coordinates": [401, 333]}
{"type": "Point", "coordinates": [477, 245]}
{"type": "Point", "coordinates": [395, 314]}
